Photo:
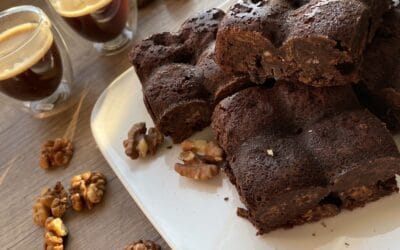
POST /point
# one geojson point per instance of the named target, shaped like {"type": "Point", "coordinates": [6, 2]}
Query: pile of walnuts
{"type": "Point", "coordinates": [202, 160]}
{"type": "Point", "coordinates": [86, 190]}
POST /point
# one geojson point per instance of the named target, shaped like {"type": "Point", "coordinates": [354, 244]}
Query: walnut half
{"type": "Point", "coordinates": [139, 144]}
{"type": "Point", "coordinates": [51, 203]}
{"type": "Point", "coordinates": [201, 160]}
{"type": "Point", "coordinates": [56, 153]}
{"type": "Point", "coordinates": [143, 245]}
{"type": "Point", "coordinates": [55, 231]}
{"type": "Point", "coordinates": [87, 189]}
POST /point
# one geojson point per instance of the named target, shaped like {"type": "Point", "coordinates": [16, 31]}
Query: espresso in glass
{"type": "Point", "coordinates": [34, 72]}
{"type": "Point", "coordinates": [103, 24]}
{"type": "Point", "coordinates": [110, 24]}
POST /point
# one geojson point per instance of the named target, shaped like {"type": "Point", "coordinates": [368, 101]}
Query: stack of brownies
{"type": "Point", "coordinates": [285, 85]}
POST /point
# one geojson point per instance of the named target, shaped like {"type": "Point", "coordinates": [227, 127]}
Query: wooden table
{"type": "Point", "coordinates": [117, 221]}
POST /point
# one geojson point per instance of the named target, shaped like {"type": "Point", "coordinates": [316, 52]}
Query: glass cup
{"type": "Point", "coordinates": [35, 69]}
{"type": "Point", "coordinates": [110, 24]}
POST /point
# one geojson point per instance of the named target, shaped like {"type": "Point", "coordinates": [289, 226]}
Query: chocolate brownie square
{"type": "Point", "coordinates": [298, 154]}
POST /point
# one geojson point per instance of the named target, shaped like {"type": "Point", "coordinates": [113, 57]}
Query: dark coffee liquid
{"type": "Point", "coordinates": [104, 24]}
{"type": "Point", "coordinates": [39, 81]}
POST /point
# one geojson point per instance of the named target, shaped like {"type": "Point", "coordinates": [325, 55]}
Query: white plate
{"type": "Point", "coordinates": [194, 215]}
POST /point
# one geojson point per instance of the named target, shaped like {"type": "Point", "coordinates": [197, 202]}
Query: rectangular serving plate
{"type": "Point", "coordinates": [194, 215]}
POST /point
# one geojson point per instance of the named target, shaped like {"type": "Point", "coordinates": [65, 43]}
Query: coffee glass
{"type": "Point", "coordinates": [35, 70]}
{"type": "Point", "coordinates": [109, 24]}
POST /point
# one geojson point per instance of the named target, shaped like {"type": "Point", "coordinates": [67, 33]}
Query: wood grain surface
{"type": "Point", "coordinates": [117, 221]}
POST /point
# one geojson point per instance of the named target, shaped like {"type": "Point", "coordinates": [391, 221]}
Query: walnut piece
{"type": "Point", "coordinates": [51, 203]}
{"type": "Point", "coordinates": [87, 189]}
{"type": "Point", "coordinates": [202, 160]}
{"type": "Point", "coordinates": [197, 170]}
{"type": "Point", "coordinates": [139, 144]}
{"type": "Point", "coordinates": [143, 245]}
{"type": "Point", "coordinates": [56, 153]}
{"type": "Point", "coordinates": [55, 231]}
{"type": "Point", "coordinates": [212, 152]}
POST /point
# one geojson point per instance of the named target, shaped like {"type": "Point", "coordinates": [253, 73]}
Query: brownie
{"type": "Point", "coordinates": [316, 42]}
{"type": "Point", "coordinates": [379, 88]}
{"type": "Point", "coordinates": [297, 153]}
{"type": "Point", "coordinates": [180, 80]}
{"type": "Point", "coordinates": [219, 83]}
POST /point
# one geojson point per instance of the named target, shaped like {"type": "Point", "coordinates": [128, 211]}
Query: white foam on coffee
{"type": "Point", "coordinates": [23, 46]}
{"type": "Point", "coordinates": [77, 8]}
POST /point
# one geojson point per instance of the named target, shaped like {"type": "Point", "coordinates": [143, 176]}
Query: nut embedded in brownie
{"type": "Point", "coordinates": [317, 42]}
{"type": "Point", "coordinates": [181, 82]}
{"type": "Point", "coordinates": [328, 153]}
{"type": "Point", "coordinates": [379, 88]}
